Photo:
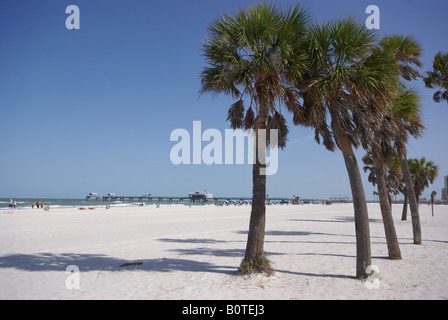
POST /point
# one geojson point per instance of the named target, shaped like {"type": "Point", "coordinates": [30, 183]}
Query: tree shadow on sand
{"type": "Point", "coordinates": [95, 262]}
{"type": "Point", "coordinates": [42, 262]}
{"type": "Point", "coordinates": [343, 219]}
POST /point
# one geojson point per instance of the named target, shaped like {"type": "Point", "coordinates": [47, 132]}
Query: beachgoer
{"type": "Point", "coordinates": [42, 204]}
{"type": "Point", "coordinates": [10, 203]}
{"type": "Point", "coordinates": [15, 204]}
{"type": "Point", "coordinates": [37, 204]}
{"type": "Point", "coordinates": [32, 205]}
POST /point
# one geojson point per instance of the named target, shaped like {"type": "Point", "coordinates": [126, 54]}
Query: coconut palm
{"type": "Point", "coordinates": [345, 94]}
{"type": "Point", "coordinates": [254, 55]}
{"type": "Point", "coordinates": [423, 173]}
{"type": "Point", "coordinates": [438, 77]}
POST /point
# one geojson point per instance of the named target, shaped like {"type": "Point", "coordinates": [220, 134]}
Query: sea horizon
{"type": "Point", "coordinates": [26, 203]}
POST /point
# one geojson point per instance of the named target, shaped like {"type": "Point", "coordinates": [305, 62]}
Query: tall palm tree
{"type": "Point", "coordinates": [350, 83]}
{"type": "Point", "coordinates": [438, 77]}
{"type": "Point", "coordinates": [255, 55]}
{"type": "Point", "coordinates": [385, 174]}
{"type": "Point", "coordinates": [405, 51]}
{"type": "Point", "coordinates": [405, 113]}
{"type": "Point", "coordinates": [423, 173]}
{"type": "Point", "coordinates": [406, 118]}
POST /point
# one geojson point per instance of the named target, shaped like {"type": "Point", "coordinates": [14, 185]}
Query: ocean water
{"type": "Point", "coordinates": [25, 203]}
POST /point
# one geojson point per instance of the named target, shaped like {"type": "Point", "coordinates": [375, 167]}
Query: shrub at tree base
{"type": "Point", "coordinates": [260, 264]}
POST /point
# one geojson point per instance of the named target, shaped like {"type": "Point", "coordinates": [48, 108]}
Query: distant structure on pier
{"type": "Point", "coordinates": [339, 198]}
{"type": "Point", "coordinates": [445, 190]}
{"type": "Point", "coordinates": [200, 194]}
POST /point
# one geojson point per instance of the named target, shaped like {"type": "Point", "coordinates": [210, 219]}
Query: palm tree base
{"type": "Point", "coordinates": [260, 264]}
{"type": "Point", "coordinates": [395, 257]}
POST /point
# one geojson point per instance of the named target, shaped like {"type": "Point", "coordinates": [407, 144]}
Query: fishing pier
{"type": "Point", "coordinates": [188, 199]}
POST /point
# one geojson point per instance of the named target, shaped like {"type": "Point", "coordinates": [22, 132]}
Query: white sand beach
{"type": "Point", "coordinates": [194, 253]}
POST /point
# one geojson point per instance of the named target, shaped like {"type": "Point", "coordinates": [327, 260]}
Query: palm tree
{"type": "Point", "coordinates": [392, 172]}
{"type": "Point", "coordinates": [405, 113]}
{"type": "Point", "coordinates": [384, 174]}
{"type": "Point", "coordinates": [433, 195]}
{"type": "Point", "coordinates": [438, 77]}
{"type": "Point", "coordinates": [406, 53]}
{"type": "Point", "coordinates": [406, 117]}
{"type": "Point", "coordinates": [423, 173]}
{"type": "Point", "coordinates": [351, 83]}
{"type": "Point", "coordinates": [375, 194]}
{"type": "Point", "coordinates": [255, 54]}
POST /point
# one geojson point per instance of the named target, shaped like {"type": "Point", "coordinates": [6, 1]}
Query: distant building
{"type": "Point", "coordinates": [445, 190]}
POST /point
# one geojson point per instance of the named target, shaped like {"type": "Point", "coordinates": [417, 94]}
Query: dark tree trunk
{"type": "Point", "coordinates": [416, 227]}
{"type": "Point", "coordinates": [432, 206]}
{"type": "Point", "coordinates": [254, 260]}
{"type": "Point", "coordinates": [404, 214]}
{"type": "Point", "coordinates": [255, 240]}
{"type": "Point", "coordinates": [386, 212]}
{"type": "Point", "coordinates": [362, 230]}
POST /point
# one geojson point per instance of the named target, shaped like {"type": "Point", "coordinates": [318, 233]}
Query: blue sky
{"type": "Point", "coordinates": [91, 110]}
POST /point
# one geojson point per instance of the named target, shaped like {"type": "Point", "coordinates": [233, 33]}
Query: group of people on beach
{"type": "Point", "coordinates": [38, 204]}
{"type": "Point", "coordinates": [12, 204]}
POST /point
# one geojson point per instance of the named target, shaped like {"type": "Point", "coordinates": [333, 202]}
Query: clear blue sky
{"type": "Point", "coordinates": [91, 110]}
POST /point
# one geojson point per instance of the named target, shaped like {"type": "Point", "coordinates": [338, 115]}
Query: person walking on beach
{"type": "Point", "coordinates": [15, 204]}
{"type": "Point", "coordinates": [10, 203]}
{"type": "Point", "coordinates": [32, 205]}
{"type": "Point", "coordinates": [37, 204]}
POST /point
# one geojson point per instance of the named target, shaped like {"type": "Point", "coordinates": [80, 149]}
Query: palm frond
{"type": "Point", "coordinates": [249, 119]}
{"type": "Point", "coordinates": [277, 122]}
{"type": "Point", "coordinates": [236, 115]}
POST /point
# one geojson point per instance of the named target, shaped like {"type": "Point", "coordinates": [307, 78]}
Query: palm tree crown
{"type": "Point", "coordinates": [347, 78]}
{"type": "Point", "coordinates": [256, 54]}
{"type": "Point", "coordinates": [423, 173]}
{"type": "Point", "coordinates": [438, 77]}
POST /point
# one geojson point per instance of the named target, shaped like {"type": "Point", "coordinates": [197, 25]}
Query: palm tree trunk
{"type": "Point", "coordinates": [416, 227]}
{"type": "Point", "coordinates": [255, 241]}
{"type": "Point", "coordinates": [254, 259]}
{"type": "Point", "coordinates": [386, 212]}
{"type": "Point", "coordinates": [404, 214]}
{"type": "Point", "coordinates": [362, 230]}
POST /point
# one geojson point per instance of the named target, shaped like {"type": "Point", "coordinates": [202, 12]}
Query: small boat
{"type": "Point", "coordinates": [201, 194]}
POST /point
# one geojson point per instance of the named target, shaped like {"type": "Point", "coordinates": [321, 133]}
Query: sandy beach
{"type": "Point", "coordinates": [181, 252]}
